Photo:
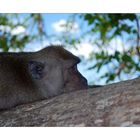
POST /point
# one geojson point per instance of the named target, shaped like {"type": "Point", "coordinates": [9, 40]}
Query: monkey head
{"type": "Point", "coordinates": [55, 71]}
{"type": "Point", "coordinates": [27, 77]}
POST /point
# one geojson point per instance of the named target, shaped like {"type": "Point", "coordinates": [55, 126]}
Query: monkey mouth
{"type": "Point", "coordinates": [84, 84]}
{"type": "Point", "coordinates": [75, 81]}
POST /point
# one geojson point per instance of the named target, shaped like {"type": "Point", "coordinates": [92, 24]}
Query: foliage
{"type": "Point", "coordinates": [119, 61]}
{"type": "Point", "coordinates": [17, 30]}
{"type": "Point", "coordinates": [110, 27]}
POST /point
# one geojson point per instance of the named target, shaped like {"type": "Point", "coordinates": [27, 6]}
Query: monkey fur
{"type": "Point", "coordinates": [30, 76]}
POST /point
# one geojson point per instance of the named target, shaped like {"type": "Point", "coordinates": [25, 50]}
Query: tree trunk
{"type": "Point", "coordinates": [112, 105]}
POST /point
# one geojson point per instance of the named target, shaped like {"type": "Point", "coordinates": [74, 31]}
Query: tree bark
{"type": "Point", "coordinates": [112, 105]}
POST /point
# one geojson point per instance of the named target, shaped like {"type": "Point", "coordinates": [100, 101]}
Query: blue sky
{"type": "Point", "coordinates": [52, 18]}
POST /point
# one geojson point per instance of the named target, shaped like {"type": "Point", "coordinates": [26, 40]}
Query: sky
{"type": "Point", "coordinates": [50, 19]}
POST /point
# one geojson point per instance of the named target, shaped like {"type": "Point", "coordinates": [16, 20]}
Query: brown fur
{"type": "Point", "coordinates": [27, 77]}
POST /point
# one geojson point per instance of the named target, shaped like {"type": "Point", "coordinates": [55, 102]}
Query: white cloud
{"type": "Point", "coordinates": [15, 31]}
{"type": "Point", "coordinates": [60, 26]}
{"type": "Point", "coordinates": [83, 49]}
{"type": "Point", "coordinates": [18, 30]}
{"type": "Point", "coordinates": [5, 28]}
{"type": "Point", "coordinates": [118, 45]}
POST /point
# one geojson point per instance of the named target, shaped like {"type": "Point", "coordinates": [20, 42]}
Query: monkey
{"type": "Point", "coordinates": [31, 76]}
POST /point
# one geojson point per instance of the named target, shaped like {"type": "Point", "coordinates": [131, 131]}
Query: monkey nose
{"type": "Point", "coordinates": [83, 82]}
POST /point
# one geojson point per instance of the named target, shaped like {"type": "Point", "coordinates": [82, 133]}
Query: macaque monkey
{"type": "Point", "coordinates": [30, 76]}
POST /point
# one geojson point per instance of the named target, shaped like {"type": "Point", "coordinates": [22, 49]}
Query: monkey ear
{"type": "Point", "coordinates": [36, 69]}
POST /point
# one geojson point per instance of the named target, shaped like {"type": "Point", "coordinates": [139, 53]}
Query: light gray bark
{"type": "Point", "coordinates": [112, 105]}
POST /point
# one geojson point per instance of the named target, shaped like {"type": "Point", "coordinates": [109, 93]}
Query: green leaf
{"type": "Point", "coordinates": [126, 58]}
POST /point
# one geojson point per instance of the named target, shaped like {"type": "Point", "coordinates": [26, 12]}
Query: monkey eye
{"type": "Point", "coordinates": [36, 69]}
{"type": "Point", "coordinates": [39, 67]}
